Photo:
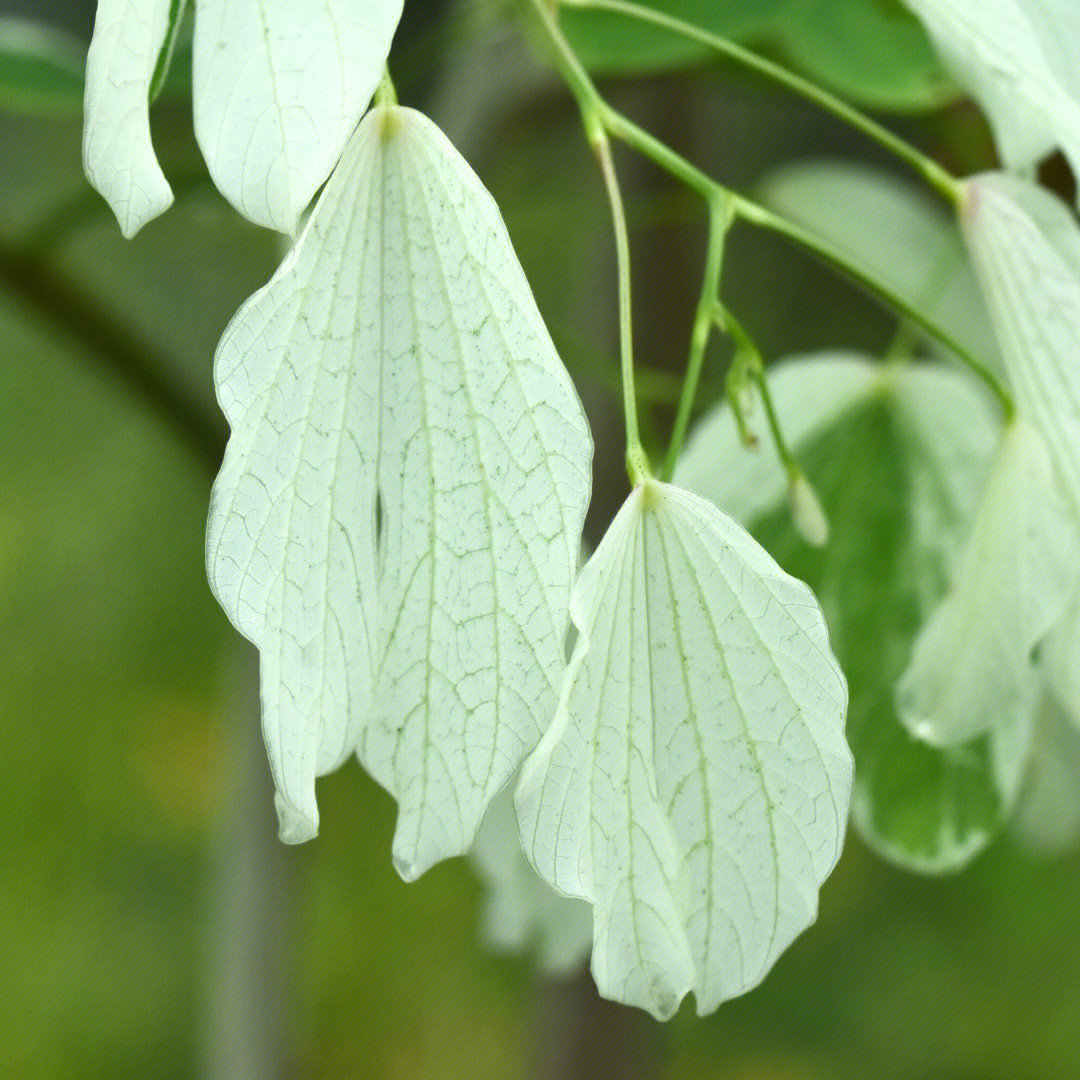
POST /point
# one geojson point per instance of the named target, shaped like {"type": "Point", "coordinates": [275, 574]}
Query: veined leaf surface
{"type": "Point", "coordinates": [396, 523]}
{"type": "Point", "coordinates": [899, 457]}
{"type": "Point", "coordinates": [118, 155]}
{"type": "Point", "coordinates": [278, 88]}
{"type": "Point", "coordinates": [1020, 60]}
{"type": "Point", "coordinates": [694, 784]}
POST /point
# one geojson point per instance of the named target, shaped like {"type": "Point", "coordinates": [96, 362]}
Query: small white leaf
{"type": "Point", "coordinates": [694, 784]}
{"type": "Point", "coordinates": [1026, 249]}
{"type": "Point", "coordinates": [278, 88]}
{"type": "Point", "coordinates": [118, 155]}
{"type": "Point", "coordinates": [1061, 660]}
{"type": "Point", "coordinates": [1020, 60]}
{"type": "Point", "coordinates": [807, 513]}
{"type": "Point", "coordinates": [972, 668]}
{"type": "Point", "coordinates": [396, 523]}
{"type": "Point", "coordinates": [521, 910]}
{"type": "Point", "coordinates": [1048, 813]}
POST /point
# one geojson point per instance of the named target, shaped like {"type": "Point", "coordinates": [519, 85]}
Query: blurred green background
{"type": "Point", "coordinates": [150, 924]}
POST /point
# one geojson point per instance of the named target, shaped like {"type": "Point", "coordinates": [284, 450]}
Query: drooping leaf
{"type": "Point", "coordinates": [1026, 249]}
{"type": "Point", "coordinates": [1020, 60]}
{"type": "Point", "coordinates": [118, 155]}
{"type": "Point", "coordinates": [521, 911]}
{"type": "Point", "coordinates": [41, 69]}
{"type": "Point", "coordinates": [1048, 813]}
{"type": "Point", "coordinates": [397, 520]}
{"type": "Point", "coordinates": [899, 457]}
{"type": "Point", "coordinates": [278, 88]}
{"type": "Point", "coordinates": [973, 668]}
{"type": "Point", "coordinates": [1061, 659]}
{"type": "Point", "coordinates": [694, 784]}
{"type": "Point", "coordinates": [890, 229]}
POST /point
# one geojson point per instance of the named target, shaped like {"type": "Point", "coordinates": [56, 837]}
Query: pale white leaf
{"type": "Point", "coordinates": [396, 523]}
{"type": "Point", "coordinates": [118, 155]}
{"type": "Point", "coordinates": [695, 782]}
{"type": "Point", "coordinates": [1048, 813]}
{"type": "Point", "coordinates": [278, 88]}
{"type": "Point", "coordinates": [972, 668]}
{"type": "Point", "coordinates": [1061, 660]}
{"type": "Point", "coordinates": [521, 911]}
{"type": "Point", "coordinates": [1026, 250]}
{"type": "Point", "coordinates": [809, 396]}
{"type": "Point", "coordinates": [1020, 60]}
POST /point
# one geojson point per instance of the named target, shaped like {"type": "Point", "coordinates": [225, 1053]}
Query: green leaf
{"type": "Point", "coordinates": [118, 155]}
{"type": "Point", "coordinates": [278, 89]}
{"type": "Point", "coordinates": [396, 523]}
{"type": "Point", "coordinates": [1020, 60]}
{"type": "Point", "coordinates": [694, 784]}
{"type": "Point", "coordinates": [1061, 660]}
{"type": "Point", "coordinates": [892, 231]}
{"type": "Point", "coordinates": [870, 50]}
{"type": "Point", "coordinates": [972, 668]}
{"type": "Point", "coordinates": [1048, 814]}
{"type": "Point", "coordinates": [899, 457]}
{"type": "Point", "coordinates": [41, 69]}
{"type": "Point", "coordinates": [521, 911]}
{"type": "Point", "coordinates": [177, 10]}
{"type": "Point", "coordinates": [1025, 245]}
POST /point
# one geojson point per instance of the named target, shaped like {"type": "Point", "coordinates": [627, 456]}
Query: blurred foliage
{"type": "Point", "coordinates": [119, 711]}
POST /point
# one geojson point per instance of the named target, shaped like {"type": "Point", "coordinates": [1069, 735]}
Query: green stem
{"type": "Point", "coordinates": [719, 221]}
{"type": "Point", "coordinates": [938, 178]}
{"type": "Point", "coordinates": [386, 92]}
{"type": "Point", "coordinates": [758, 215]}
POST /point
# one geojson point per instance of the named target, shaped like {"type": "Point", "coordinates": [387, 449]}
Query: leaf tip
{"type": "Point", "coordinates": [294, 826]}
{"type": "Point", "coordinates": [807, 514]}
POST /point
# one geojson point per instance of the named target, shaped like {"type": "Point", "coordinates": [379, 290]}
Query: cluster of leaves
{"type": "Point", "coordinates": [397, 520]}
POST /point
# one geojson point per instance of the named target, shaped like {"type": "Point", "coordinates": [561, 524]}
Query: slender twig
{"type": "Point", "coordinates": [124, 355]}
{"type": "Point", "coordinates": [938, 178]}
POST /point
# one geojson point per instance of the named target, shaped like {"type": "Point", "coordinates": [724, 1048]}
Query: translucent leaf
{"type": "Point", "coordinates": [899, 457]}
{"type": "Point", "coordinates": [694, 784]}
{"type": "Point", "coordinates": [1048, 814]}
{"type": "Point", "coordinates": [521, 911]}
{"type": "Point", "coordinates": [1061, 659]}
{"type": "Point", "coordinates": [1020, 60]}
{"type": "Point", "coordinates": [972, 668]}
{"type": "Point", "coordinates": [891, 230]}
{"type": "Point", "coordinates": [278, 88]}
{"type": "Point", "coordinates": [1026, 249]}
{"type": "Point", "coordinates": [118, 156]}
{"type": "Point", "coordinates": [41, 69]}
{"type": "Point", "coordinates": [397, 520]}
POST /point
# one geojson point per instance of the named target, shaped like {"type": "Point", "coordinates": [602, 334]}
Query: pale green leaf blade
{"type": "Point", "coordinates": [972, 668]}
{"type": "Point", "coordinates": [1026, 251]}
{"type": "Point", "coordinates": [1061, 660]}
{"type": "Point", "coordinates": [1020, 60]}
{"type": "Point", "coordinates": [521, 911]}
{"type": "Point", "coordinates": [41, 69]}
{"type": "Point", "coordinates": [694, 784]}
{"type": "Point", "coordinates": [900, 471]}
{"type": "Point", "coordinates": [893, 231]}
{"type": "Point", "coordinates": [397, 520]}
{"type": "Point", "coordinates": [278, 88]}
{"type": "Point", "coordinates": [118, 155]}
{"type": "Point", "coordinates": [1048, 813]}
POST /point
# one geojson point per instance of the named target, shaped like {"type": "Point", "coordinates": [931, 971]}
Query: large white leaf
{"type": "Point", "coordinates": [279, 86]}
{"type": "Point", "coordinates": [972, 668]}
{"type": "Point", "coordinates": [1020, 60]}
{"type": "Point", "coordinates": [899, 454]}
{"type": "Point", "coordinates": [397, 520]}
{"type": "Point", "coordinates": [694, 784]}
{"type": "Point", "coordinates": [1026, 249]}
{"type": "Point", "coordinates": [118, 156]}
{"type": "Point", "coordinates": [521, 910]}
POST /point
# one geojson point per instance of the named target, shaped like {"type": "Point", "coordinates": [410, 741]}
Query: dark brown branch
{"type": "Point", "coordinates": [116, 350]}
